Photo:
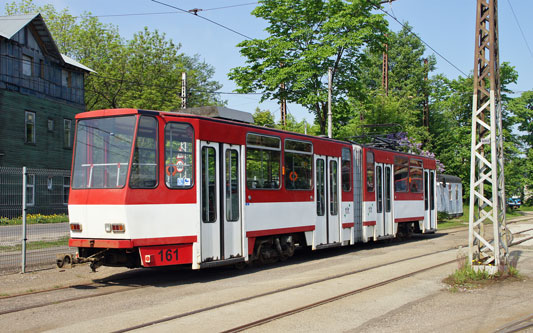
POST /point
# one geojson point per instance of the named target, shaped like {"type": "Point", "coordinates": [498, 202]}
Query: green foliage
{"type": "Point", "coordinates": [264, 118]}
{"type": "Point", "coordinates": [144, 72]}
{"type": "Point", "coordinates": [305, 39]}
{"type": "Point", "coordinates": [37, 245]}
{"type": "Point", "coordinates": [467, 277]}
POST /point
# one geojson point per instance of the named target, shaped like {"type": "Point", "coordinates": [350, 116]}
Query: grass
{"type": "Point", "coordinates": [38, 245]}
{"type": "Point", "coordinates": [35, 219]}
{"type": "Point", "coordinates": [445, 222]}
{"type": "Point", "coordinates": [467, 278]}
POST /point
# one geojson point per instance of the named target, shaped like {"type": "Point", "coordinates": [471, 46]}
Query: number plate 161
{"type": "Point", "coordinates": [166, 255]}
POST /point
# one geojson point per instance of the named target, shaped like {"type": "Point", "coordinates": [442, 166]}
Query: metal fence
{"type": "Point", "coordinates": [32, 230]}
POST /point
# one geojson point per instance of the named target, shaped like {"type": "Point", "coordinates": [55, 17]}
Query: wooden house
{"type": "Point", "coordinates": [41, 90]}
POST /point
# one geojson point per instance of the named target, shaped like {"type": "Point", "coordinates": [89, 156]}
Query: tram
{"type": "Point", "coordinates": [205, 187]}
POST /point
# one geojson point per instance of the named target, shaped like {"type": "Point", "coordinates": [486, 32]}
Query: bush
{"type": "Point", "coordinates": [35, 219]}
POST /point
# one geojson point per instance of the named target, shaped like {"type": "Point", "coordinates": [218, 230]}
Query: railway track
{"type": "Point", "coordinates": [315, 304]}
{"type": "Point", "coordinates": [135, 287]}
{"type": "Point", "coordinates": [113, 283]}
{"type": "Point", "coordinates": [517, 326]}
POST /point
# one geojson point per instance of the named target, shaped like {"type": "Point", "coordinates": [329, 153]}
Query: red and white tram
{"type": "Point", "coordinates": [153, 188]}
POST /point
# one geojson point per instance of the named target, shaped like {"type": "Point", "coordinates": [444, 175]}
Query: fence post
{"type": "Point", "coordinates": [24, 180]}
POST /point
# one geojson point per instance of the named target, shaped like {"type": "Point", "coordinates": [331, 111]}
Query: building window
{"type": "Point", "coordinates": [66, 78]}
{"type": "Point", "coordinates": [41, 68]}
{"type": "Point", "coordinates": [29, 135]}
{"type": "Point", "coordinates": [30, 190]}
{"type": "Point", "coordinates": [66, 189]}
{"type": "Point", "coordinates": [27, 65]}
{"type": "Point", "coordinates": [50, 125]}
{"type": "Point", "coordinates": [67, 133]}
{"type": "Point", "coordinates": [263, 161]}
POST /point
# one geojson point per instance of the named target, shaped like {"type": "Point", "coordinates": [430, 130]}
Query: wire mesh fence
{"type": "Point", "coordinates": [46, 229]}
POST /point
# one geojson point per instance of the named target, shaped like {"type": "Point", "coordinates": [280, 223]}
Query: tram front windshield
{"type": "Point", "coordinates": [102, 154]}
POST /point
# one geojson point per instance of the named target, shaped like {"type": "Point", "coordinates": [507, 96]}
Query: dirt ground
{"type": "Point", "coordinates": [485, 309]}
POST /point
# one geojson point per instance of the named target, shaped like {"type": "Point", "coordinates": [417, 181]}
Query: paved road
{"type": "Point", "coordinates": [12, 234]}
{"type": "Point", "coordinates": [11, 262]}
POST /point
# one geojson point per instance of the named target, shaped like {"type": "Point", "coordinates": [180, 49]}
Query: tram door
{"type": "Point", "coordinates": [384, 222]}
{"type": "Point", "coordinates": [231, 206]}
{"type": "Point", "coordinates": [321, 234]}
{"type": "Point", "coordinates": [209, 201]}
{"type": "Point", "coordinates": [430, 218]}
{"type": "Point", "coordinates": [221, 227]}
{"type": "Point", "coordinates": [327, 229]}
{"type": "Point", "coordinates": [333, 199]}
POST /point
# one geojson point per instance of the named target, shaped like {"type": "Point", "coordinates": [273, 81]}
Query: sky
{"type": "Point", "coordinates": [448, 26]}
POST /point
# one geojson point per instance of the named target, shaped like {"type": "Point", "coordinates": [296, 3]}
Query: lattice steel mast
{"type": "Point", "coordinates": [487, 185]}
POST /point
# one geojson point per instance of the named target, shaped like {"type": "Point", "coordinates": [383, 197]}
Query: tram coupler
{"type": "Point", "coordinates": [66, 260]}
{"type": "Point", "coordinates": [70, 260]}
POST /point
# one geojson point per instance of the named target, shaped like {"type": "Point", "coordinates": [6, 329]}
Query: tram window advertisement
{"type": "Point", "coordinates": [179, 161]}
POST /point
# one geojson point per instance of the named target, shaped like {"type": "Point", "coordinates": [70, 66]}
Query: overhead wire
{"type": "Point", "coordinates": [410, 30]}
{"type": "Point", "coordinates": [520, 28]}
{"type": "Point", "coordinates": [204, 18]}
{"type": "Point", "coordinates": [5, 18]}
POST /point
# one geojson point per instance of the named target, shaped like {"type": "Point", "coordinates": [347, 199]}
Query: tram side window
{"type": "Point", "coordinates": [144, 163]}
{"type": "Point", "coordinates": [415, 175]}
{"type": "Point", "coordinates": [298, 165]}
{"type": "Point", "coordinates": [179, 161]}
{"type": "Point", "coordinates": [263, 161]}
{"type": "Point", "coordinates": [401, 174]}
{"type": "Point", "coordinates": [346, 170]}
{"type": "Point", "coordinates": [369, 171]}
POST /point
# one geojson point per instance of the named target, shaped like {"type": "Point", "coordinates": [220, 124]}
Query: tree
{"type": "Point", "coordinates": [451, 125]}
{"type": "Point", "coordinates": [403, 105]}
{"type": "Point", "coordinates": [305, 39]}
{"type": "Point", "coordinates": [522, 109]}
{"type": "Point", "coordinates": [144, 72]}
{"type": "Point", "coordinates": [264, 118]}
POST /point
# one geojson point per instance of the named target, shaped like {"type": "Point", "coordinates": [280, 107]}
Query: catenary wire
{"type": "Point", "coordinates": [144, 14]}
{"type": "Point", "coordinates": [520, 28]}
{"type": "Point", "coordinates": [410, 30]}
{"type": "Point", "coordinates": [204, 18]}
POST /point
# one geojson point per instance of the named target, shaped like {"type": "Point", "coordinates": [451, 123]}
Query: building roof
{"type": "Point", "coordinates": [11, 25]}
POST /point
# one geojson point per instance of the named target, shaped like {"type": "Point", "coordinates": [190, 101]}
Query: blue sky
{"type": "Point", "coordinates": [447, 26]}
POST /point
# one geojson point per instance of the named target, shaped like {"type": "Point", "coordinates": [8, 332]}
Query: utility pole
{"type": "Point", "coordinates": [487, 185]}
{"type": "Point", "coordinates": [330, 79]}
{"type": "Point", "coordinates": [283, 103]}
{"type": "Point", "coordinates": [183, 90]}
{"type": "Point", "coordinates": [426, 95]}
{"type": "Point", "coordinates": [385, 71]}
{"type": "Point", "coordinates": [283, 107]}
